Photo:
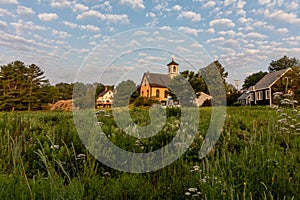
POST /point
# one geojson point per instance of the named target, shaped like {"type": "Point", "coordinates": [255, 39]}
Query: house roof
{"type": "Point", "coordinates": [244, 95]}
{"type": "Point", "coordinates": [269, 79]}
{"type": "Point", "coordinates": [104, 92]}
{"type": "Point", "coordinates": [202, 98]}
{"type": "Point", "coordinates": [158, 80]}
{"type": "Point", "coordinates": [172, 62]}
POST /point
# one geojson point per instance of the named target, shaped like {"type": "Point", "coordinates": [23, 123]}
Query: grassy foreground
{"type": "Point", "coordinates": [256, 157]}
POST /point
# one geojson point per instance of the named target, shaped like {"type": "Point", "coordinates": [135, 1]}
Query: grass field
{"type": "Point", "coordinates": [256, 157]}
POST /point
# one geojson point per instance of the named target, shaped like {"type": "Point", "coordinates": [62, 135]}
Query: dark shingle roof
{"type": "Point", "coordinates": [158, 80]}
{"type": "Point", "coordinates": [244, 95]}
{"type": "Point", "coordinates": [172, 63]}
{"type": "Point", "coordinates": [269, 79]}
{"type": "Point", "coordinates": [103, 93]}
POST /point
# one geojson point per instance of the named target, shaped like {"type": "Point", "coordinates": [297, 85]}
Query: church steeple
{"type": "Point", "coordinates": [172, 68]}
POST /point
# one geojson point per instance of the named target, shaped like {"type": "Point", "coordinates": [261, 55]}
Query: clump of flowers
{"type": "Point", "coordinates": [288, 116]}
{"type": "Point", "coordinates": [192, 193]}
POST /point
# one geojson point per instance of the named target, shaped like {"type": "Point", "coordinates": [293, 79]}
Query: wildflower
{"type": "Point", "coordinates": [187, 194]}
{"type": "Point", "coordinates": [283, 129]}
{"type": "Point", "coordinates": [99, 123]}
{"type": "Point", "coordinates": [292, 126]}
{"type": "Point", "coordinates": [282, 115]}
{"type": "Point", "coordinates": [80, 156]}
{"type": "Point", "coordinates": [54, 146]}
{"type": "Point", "coordinates": [192, 189]}
{"type": "Point", "coordinates": [107, 174]}
{"type": "Point", "coordinates": [284, 120]}
{"type": "Point", "coordinates": [195, 195]}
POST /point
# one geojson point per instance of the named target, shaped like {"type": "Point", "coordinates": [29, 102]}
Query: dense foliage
{"type": "Point", "coordinates": [283, 63]}
{"type": "Point", "coordinates": [256, 157]}
{"type": "Point", "coordinates": [253, 79]}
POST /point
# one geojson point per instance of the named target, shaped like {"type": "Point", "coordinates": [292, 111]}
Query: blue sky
{"type": "Point", "coordinates": [63, 35]}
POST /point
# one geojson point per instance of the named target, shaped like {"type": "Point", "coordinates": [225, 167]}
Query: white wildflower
{"type": "Point", "coordinates": [54, 146]}
{"type": "Point", "coordinates": [80, 156]}
{"type": "Point", "coordinates": [192, 189]}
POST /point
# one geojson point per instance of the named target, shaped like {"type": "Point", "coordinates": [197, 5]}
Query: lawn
{"type": "Point", "coordinates": [256, 157]}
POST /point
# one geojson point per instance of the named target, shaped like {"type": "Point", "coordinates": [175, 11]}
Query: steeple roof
{"type": "Point", "coordinates": [172, 62]}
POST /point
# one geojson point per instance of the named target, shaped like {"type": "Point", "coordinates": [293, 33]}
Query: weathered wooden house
{"type": "Point", "coordinates": [262, 92]}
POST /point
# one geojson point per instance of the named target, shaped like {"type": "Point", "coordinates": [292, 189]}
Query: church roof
{"type": "Point", "coordinates": [172, 62]}
{"type": "Point", "coordinates": [157, 80]}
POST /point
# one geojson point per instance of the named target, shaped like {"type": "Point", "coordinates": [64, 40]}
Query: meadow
{"type": "Point", "coordinates": [256, 157]}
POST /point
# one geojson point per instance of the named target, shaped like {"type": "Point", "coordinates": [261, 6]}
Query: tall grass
{"type": "Point", "coordinates": [42, 157]}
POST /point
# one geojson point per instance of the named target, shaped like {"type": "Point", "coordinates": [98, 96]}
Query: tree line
{"type": "Point", "coordinates": [25, 87]}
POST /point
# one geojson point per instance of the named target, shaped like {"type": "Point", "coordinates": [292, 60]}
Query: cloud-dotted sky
{"type": "Point", "coordinates": [58, 35]}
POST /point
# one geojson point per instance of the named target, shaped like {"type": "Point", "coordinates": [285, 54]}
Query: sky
{"type": "Point", "coordinates": [107, 41]}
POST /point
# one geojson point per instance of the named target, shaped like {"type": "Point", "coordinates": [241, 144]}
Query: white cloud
{"type": "Point", "coordinates": [230, 33]}
{"type": "Point", "coordinates": [244, 20]}
{"type": "Point", "coordinates": [210, 30]}
{"type": "Point", "coordinates": [255, 35]}
{"type": "Point", "coordinates": [21, 25]}
{"type": "Point", "coordinates": [189, 30]}
{"type": "Point", "coordinates": [134, 4]}
{"type": "Point", "coordinates": [79, 8]}
{"type": "Point", "coordinates": [3, 24]}
{"type": "Point", "coordinates": [263, 2]}
{"type": "Point", "coordinates": [90, 28]}
{"type": "Point", "coordinates": [213, 40]}
{"type": "Point", "coordinates": [4, 12]}
{"type": "Point", "coordinates": [223, 22]}
{"type": "Point", "coordinates": [24, 11]}
{"type": "Point", "coordinates": [46, 17]}
{"type": "Point", "coordinates": [280, 15]}
{"type": "Point", "coordinates": [177, 8]}
{"type": "Point", "coordinates": [8, 1]}
{"type": "Point", "coordinates": [165, 28]}
{"type": "Point", "coordinates": [91, 13]}
{"type": "Point", "coordinates": [283, 30]}
{"type": "Point", "coordinates": [228, 2]}
{"type": "Point", "coordinates": [60, 3]}
{"type": "Point", "coordinates": [208, 4]}
{"type": "Point", "coordinates": [150, 14]}
{"type": "Point", "coordinates": [114, 18]}
{"type": "Point", "coordinates": [291, 6]}
{"type": "Point", "coordinates": [60, 34]}
{"type": "Point", "coordinates": [140, 33]}
{"type": "Point", "coordinates": [195, 17]}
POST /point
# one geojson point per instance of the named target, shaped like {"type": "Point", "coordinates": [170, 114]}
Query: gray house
{"type": "Point", "coordinates": [261, 92]}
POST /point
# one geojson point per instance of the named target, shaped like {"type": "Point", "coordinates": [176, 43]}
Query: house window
{"type": "Point", "coordinates": [252, 97]}
{"type": "Point", "coordinates": [147, 93]}
{"type": "Point", "coordinates": [267, 94]}
{"type": "Point", "coordinates": [157, 93]}
{"type": "Point", "coordinates": [142, 93]}
{"type": "Point", "coordinates": [166, 93]}
{"type": "Point", "coordinates": [174, 69]}
{"type": "Point", "coordinates": [259, 95]}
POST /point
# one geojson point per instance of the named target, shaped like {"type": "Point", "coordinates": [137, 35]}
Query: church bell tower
{"type": "Point", "coordinates": [172, 68]}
